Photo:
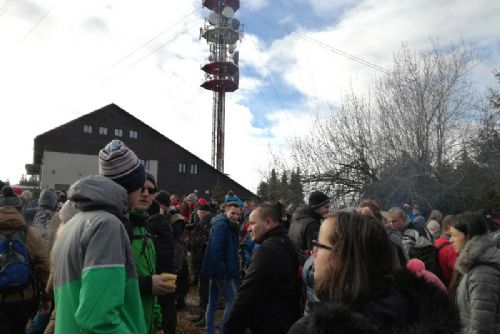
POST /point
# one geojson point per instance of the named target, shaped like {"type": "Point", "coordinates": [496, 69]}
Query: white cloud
{"type": "Point", "coordinates": [69, 66]}
{"type": "Point", "coordinates": [374, 31]}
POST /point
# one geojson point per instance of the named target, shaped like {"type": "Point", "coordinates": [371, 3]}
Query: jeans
{"type": "Point", "coordinates": [229, 294]}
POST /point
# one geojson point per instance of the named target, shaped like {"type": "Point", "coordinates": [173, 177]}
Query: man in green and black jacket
{"type": "Point", "coordinates": [150, 283]}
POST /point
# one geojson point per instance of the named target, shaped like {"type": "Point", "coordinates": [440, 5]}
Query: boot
{"type": "Point", "coordinates": [196, 318]}
{"type": "Point", "coordinates": [202, 322]}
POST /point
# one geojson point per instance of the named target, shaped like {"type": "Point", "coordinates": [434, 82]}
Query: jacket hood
{"type": "Point", "coordinates": [478, 250]}
{"type": "Point", "coordinates": [98, 192]}
{"type": "Point", "coordinates": [304, 211]}
{"type": "Point", "coordinates": [405, 303]}
{"type": "Point", "coordinates": [10, 218]}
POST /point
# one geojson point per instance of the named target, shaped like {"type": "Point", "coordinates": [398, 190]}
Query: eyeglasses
{"type": "Point", "coordinates": [317, 245]}
{"type": "Point", "coordinates": [150, 191]}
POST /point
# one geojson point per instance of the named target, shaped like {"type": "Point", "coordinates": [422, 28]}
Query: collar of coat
{"type": "Point", "coordinates": [473, 253]}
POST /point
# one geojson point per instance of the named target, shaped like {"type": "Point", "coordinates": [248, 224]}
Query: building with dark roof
{"type": "Point", "coordinates": [70, 151]}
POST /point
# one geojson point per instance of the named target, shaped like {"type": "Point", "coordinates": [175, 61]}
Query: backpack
{"type": "Point", "coordinates": [429, 255]}
{"type": "Point", "coordinates": [15, 270]}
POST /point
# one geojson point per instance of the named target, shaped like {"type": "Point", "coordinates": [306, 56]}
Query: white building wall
{"type": "Point", "coordinates": [60, 170]}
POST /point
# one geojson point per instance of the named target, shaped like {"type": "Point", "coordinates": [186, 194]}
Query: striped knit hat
{"type": "Point", "coordinates": [121, 165]}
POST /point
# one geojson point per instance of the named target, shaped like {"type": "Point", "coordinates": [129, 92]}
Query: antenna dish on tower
{"type": "Point", "coordinates": [228, 12]}
{"type": "Point", "coordinates": [235, 24]}
{"type": "Point", "coordinates": [214, 19]}
{"type": "Point", "coordinates": [236, 57]}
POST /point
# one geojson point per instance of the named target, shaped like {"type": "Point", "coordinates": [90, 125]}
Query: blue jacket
{"type": "Point", "coordinates": [221, 256]}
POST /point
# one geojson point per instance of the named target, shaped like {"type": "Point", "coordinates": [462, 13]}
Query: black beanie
{"type": "Point", "coordinates": [150, 177]}
{"type": "Point", "coordinates": [163, 197]}
{"type": "Point", "coordinates": [9, 198]}
{"type": "Point", "coordinates": [318, 199]}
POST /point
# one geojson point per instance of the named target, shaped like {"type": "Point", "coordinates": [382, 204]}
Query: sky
{"type": "Point", "coordinates": [62, 59]}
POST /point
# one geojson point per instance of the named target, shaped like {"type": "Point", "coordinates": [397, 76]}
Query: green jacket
{"type": "Point", "coordinates": [145, 261]}
{"type": "Point", "coordinates": [95, 280]}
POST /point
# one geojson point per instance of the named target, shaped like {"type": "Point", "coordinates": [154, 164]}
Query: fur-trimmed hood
{"type": "Point", "coordinates": [403, 303]}
{"type": "Point", "coordinates": [478, 250]}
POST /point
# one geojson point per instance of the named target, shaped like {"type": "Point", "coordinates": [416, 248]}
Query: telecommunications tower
{"type": "Point", "coordinates": [222, 32]}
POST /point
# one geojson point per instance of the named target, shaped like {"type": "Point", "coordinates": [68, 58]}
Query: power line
{"type": "Point", "coordinates": [319, 43]}
{"type": "Point", "coordinates": [5, 7]}
{"type": "Point", "coordinates": [47, 12]}
{"type": "Point", "coordinates": [153, 51]}
{"type": "Point", "coordinates": [121, 60]}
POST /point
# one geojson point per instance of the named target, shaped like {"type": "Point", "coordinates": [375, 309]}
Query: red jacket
{"type": "Point", "coordinates": [446, 257]}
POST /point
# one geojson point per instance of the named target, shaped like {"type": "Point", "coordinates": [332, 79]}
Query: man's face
{"type": "Point", "coordinates": [323, 210]}
{"type": "Point", "coordinates": [133, 198]}
{"type": "Point", "coordinates": [233, 213]}
{"type": "Point", "coordinates": [396, 221]}
{"type": "Point", "coordinates": [258, 226]}
{"type": "Point", "coordinates": [147, 195]}
{"type": "Point", "coordinates": [202, 213]}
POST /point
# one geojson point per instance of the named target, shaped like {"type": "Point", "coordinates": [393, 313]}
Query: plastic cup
{"type": "Point", "coordinates": [169, 278]}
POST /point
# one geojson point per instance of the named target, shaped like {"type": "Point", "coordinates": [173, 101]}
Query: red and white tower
{"type": "Point", "coordinates": [222, 32]}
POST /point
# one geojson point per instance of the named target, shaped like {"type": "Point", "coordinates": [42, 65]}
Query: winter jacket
{"type": "Point", "coordinates": [42, 221]}
{"type": "Point", "coordinates": [400, 303]}
{"type": "Point", "coordinates": [95, 278]}
{"type": "Point", "coordinates": [145, 261]}
{"type": "Point", "coordinates": [268, 298]}
{"type": "Point", "coordinates": [304, 227]}
{"type": "Point", "coordinates": [414, 236]}
{"type": "Point", "coordinates": [221, 256]}
{"type": "Point", "coordinates": [478, 294]}
{"type": "Point", "coordinates": [161, 229]}
{"type": "Point", "coordinates": [446, 257]}
{"type": "Point", "coordinates": [10, 221]}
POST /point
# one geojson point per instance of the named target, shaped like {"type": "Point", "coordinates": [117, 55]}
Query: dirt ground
{"type": "Point", "coordinates": [184, 326]}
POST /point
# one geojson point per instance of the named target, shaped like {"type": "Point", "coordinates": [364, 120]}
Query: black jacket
{"type": "Point", "coordinates": [162, 231]}
{"type": "Point", "coordinates": [401, 303]}
{"type": "Point", "coordinates": [268, 299]}
{"type": "Point", "coordinates": [304, 227]}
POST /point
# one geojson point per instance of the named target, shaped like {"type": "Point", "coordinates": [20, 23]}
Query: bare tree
{"type": "Point", "coordinates": [398, 145]}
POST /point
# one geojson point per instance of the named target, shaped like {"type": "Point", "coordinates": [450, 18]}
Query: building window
{"type": "Point", "coordinates": [182, 167]}
{"type": "Point", "coordinates": [87, 129]}
{"type": "Point", "coordinates": [133, 134]}
{"type": "Point", "coordinates": [118, 132]}
{"type": "Point", "coordinates": [146, 164]}
{"type": "Point", "coordinates": [193, 169]}
{"type": "Point", "coordinates": [103, 131]}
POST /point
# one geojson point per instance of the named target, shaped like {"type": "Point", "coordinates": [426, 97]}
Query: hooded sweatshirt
{"type": "Point", "coordinates": [95, 280]}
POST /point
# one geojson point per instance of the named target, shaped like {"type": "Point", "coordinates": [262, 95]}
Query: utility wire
{"type": "Point", "coordinates": [37, 24]}
{"type": "Point", "coordinates": [5, 7]}
{"type": "Point", "coordinates": [153, 51]}
{"type": "Point", "coordinates": [143, 45]}
{"type": "Point", "coordinates": [319, 43]}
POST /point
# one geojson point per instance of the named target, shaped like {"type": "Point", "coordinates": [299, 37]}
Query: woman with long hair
{"type": "Point", "coordinates": [358, 292]}
{"type": "Point", "coordinates": [478, 281]}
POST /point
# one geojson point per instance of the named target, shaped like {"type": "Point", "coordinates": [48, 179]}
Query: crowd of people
{"type": "Point", "coordinates": [115, 254]}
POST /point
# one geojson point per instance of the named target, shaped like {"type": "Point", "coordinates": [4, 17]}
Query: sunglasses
{"type": "Point", "coordinates": [150, 191]}
{"type": "Point", "coordinates": [317, 245]}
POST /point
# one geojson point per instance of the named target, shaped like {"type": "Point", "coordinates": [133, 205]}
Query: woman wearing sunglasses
{"type": "Point", "coordinates": [358, 292]}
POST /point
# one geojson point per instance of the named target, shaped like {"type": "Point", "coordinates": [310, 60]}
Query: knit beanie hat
{"type": "Point", "coordinates": [48, 198]}
{"type": "Point", "coordinates": [318, 199]}
{"type": "Point", "coordinates": [418, 268]}
{"type": "Point", "coordinates": [192, 197]}
{"type": "Point", "coordinates": [436, 215]}
{"type": "Point", "coordinates": [120, 164]}
{"type": "Point", "coordinates": [150, 177]}
{"type": "Point", "coordinates": [8, 198]}
{"type": "Point", "coordinates": [163, 197]}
